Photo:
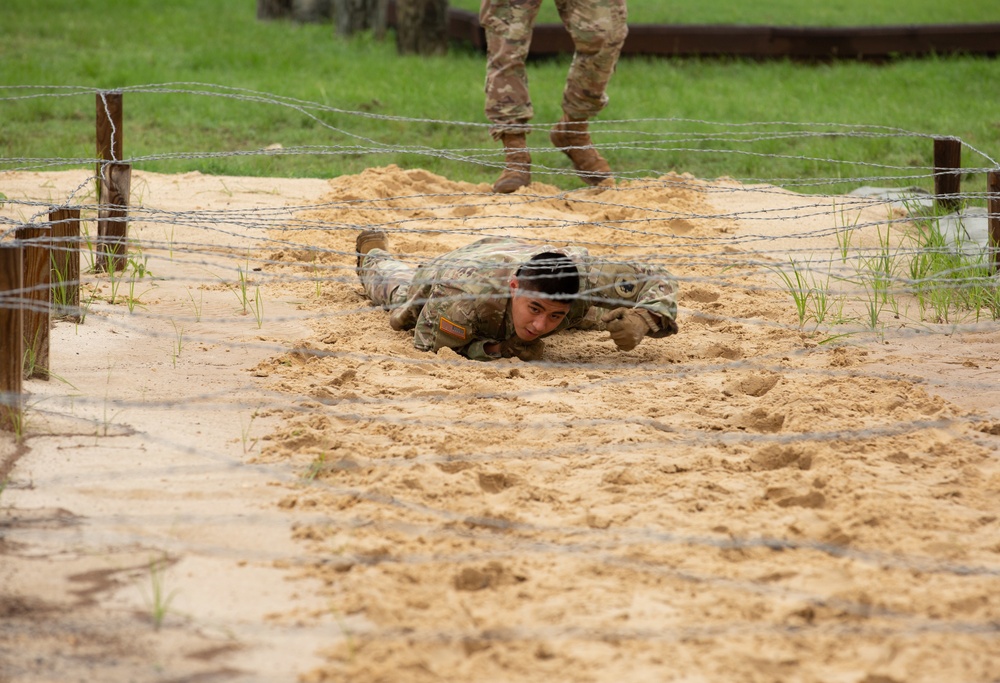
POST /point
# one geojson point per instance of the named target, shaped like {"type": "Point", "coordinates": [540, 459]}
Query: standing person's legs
{"type": "Point", "coordinates": [508, 25]}
{"type": "Point", "coordinates": [598, 29]}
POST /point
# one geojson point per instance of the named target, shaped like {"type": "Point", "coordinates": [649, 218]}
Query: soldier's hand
{"type": "Point", "coordinates": [627, 327]}
{"type": "Point", "coordinates": [515, 347]}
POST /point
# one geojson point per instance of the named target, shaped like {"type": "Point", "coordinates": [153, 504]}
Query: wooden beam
{"type": "Point", "coordinates": [818, 43]}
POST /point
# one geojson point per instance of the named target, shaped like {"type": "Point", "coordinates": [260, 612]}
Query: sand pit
{"type": "Point", "coordinates": [753, 499]}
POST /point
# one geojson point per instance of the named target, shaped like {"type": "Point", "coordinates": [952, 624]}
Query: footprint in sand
{"type": "Point", "coordinates": [495, 482]}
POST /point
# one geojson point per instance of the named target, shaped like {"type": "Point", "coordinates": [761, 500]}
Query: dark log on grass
{"type": "Point", "coordinates": [870, 43]}
{"type": "Point", "coordinates": [11, 337]}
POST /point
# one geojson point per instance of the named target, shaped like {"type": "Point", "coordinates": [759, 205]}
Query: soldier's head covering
{"type": "Point", "coordinates": [551, 274]}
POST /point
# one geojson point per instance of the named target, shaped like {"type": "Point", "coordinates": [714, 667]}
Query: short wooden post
{"type": "Point", "coordinates": [993, 207]}
{"type": "Point", "coordinates": [65, 278]}
{"type": "Point", "coordinates": [112, 216]}
{"type": "Point", "coordinates": [11, 337]}
{"type": "Point", "coordinates": [947, 173]}
{"type": "Point", "coordinates": [37, 315]}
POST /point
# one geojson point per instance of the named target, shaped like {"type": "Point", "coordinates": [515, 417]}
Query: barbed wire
{"type": "Point", "coordinates": [303, 255]}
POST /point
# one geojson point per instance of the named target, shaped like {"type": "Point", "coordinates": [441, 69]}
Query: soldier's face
{"type": "Point", "coordinates": [533, 314]}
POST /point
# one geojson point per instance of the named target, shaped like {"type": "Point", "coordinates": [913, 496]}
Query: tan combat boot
{"type": "Point", "coordinates": [404, 317]}
{"type": "Point", "coordinates": [571, 136]}
{"type": "Point", "coordinates": [518, 170]}
{"type": "Point", "coordinates": [368, 240]}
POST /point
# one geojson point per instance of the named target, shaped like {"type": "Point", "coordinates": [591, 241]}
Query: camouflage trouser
{"type": "Point", "coordinates": [598, 29]}
{"type": "Point", "coordinates": [384, 279]}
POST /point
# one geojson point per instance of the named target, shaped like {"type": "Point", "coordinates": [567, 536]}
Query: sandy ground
{"type": "Point", "coordinates": [246, 475]}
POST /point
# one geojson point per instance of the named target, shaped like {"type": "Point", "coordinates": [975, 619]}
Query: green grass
{"type": "Point", "coordinates": [950, 280]}
{"type": "Point", "coordinates": [678, 115]}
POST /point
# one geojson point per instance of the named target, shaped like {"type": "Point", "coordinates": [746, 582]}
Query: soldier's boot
{"type": "Point", "coordinates": [572, 137]}
{"type": "Point", "coordinates": [403, 318]}
{"type": "Point", "coordinates": [368, 240]}
{"type": "Point", "coordinates": [517, 172]}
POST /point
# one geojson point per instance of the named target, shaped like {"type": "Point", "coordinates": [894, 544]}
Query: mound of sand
{"type": "Point", "coordinates": [737, 502]}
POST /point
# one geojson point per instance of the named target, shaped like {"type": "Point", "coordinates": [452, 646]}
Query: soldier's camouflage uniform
{"type": "Point", "coordinates": [598, 29]}
{"type": "Point", "coordinates": [461, 299]}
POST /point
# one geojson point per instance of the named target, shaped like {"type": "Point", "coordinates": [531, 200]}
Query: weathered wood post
{"type": "Point", "coordinates": [65, 277]}
{"type": "Point", "coordinates": [110, 140]}
{"type": "Point", "coordinates": [37, 315]}
{"type": "Point", "coordinates": [947, 173]}
{"type": "Point", "coordinates": [11, 337]}
{"type": "Point", "coordinates": [112, 216]}
{"type": "Point", "coordinates": [993, 207]}
{"type": "Point", "coordinates": [111, 180]}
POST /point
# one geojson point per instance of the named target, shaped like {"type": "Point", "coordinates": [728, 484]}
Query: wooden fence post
{"type": "Point", "coordinates": [65, 277]}
{"type": "Point", "coordinates": [11, 337]}
{"type": "Point", "coordinates": [112, 216]}
{"type": "Point", "coordinates": [37, 316]}
{"type": "Point", "coordinates": [110, 132]}
{"type": "Point", "coordinates": [993, 207]}
{"type": "Point", "coordinates": [109, 126]}
{"type": "Point", "coordinates": [947, 173]}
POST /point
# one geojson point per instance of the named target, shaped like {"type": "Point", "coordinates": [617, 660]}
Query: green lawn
{"type": "Point", "coordinates": [366, 106]}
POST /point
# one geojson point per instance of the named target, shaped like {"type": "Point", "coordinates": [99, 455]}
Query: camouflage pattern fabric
{"type": "Point", "coordinates": [461, 300]}
{"type": "Point", "coordinates": [598, 29]}
{"type": "Point", "coordinates": [385, 279]}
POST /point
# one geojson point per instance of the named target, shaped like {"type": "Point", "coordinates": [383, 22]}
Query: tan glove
{"type": "Point", "coordinates": [515, 347]}
{"type": "Point", "coordinates": [627, 327]}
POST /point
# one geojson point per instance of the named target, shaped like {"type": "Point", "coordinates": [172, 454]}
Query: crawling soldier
{"type": "Point", "coordinates": [498, 297]}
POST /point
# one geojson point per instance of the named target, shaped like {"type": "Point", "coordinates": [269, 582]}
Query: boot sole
{"type": "Point", "coordinates": [378, 237]}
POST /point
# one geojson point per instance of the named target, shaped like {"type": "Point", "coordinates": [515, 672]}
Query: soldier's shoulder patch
{"type": "Point", "coordinates": [451, 329]}
{"type": "Point", "coordinates": [625, 286]}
